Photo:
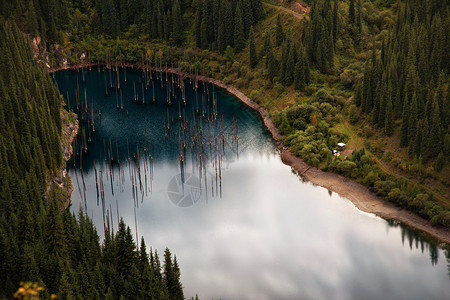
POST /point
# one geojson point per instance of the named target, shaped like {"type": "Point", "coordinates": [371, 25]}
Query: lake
{"type": "Point", "coordinates": [189, 167]}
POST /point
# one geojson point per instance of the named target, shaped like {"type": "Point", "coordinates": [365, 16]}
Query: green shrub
{"type": "Point", "coordinates": [370, 179]}
{"type": "Point", "coordinates": [397, 196]}
{"type": "Point", "coordinates": [382, 188]}
{"type": "Point", "coordinates": [443, 219]}
{"type": "Point", "coordinates": [346, 167]}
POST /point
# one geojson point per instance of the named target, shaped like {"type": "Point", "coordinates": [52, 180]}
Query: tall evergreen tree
{"type": "Point", "coordinates": [177, 23]}
{"type": "Point", "coordinates": [225, 31]}
{"type": "Point", "coordinates": [351, 12]}
{"type": "Point", "coordinates": [239, 34]}
{"type": "Point", "coordinates": [335, 19]}
{"type": "Point", "coordinates": [252, 53]}
{"type": "Point", "coordinates": [279, 34]}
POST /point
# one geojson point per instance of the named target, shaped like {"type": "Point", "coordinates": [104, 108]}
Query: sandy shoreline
{"type": "Point", "coordinates": [359, 195]}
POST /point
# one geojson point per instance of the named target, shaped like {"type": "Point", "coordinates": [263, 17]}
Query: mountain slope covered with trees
{"type": "Point", "coordinates": [40, 241]}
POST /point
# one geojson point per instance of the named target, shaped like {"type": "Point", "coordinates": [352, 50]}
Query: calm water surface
{"type": "Point", "coordinates": [241, 223]}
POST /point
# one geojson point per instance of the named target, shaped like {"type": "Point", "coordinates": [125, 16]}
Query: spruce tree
{"type": "Point", "coordinates": [290, 67]}
{"type": "Point", "coordinates": [225, 30]}
{"type": "Point", "coordinates": [279, 34]}
{"type": "Point", "coordinates": [358, 24]}
{"type": "Point", "coordinates": [247, 16]}
{"type": "Point", "coordinates": [425, 141]}
{"type": "Point", "coordinates": [412, 119]}
{"type": "Point", "coordinates": [389, 122]}
{"type": "Point", "coordinates": [253, 55]}
{"type": "Point", "coordinates": [435, 139]}
{"type": "Point", "coordinates": [239, 34]}
{"type": "Point", "coordinates": [440, 162]}
{"type": "Point", "coordinates": [177, 23]}
{"type": "Point", "coordinates": [351, 12]}
{"type": "Point", "coordinates": [272, 69]}
{"type": "Point", "coordinates": [405, 122]}
{"type": "Point", "coordinates": [417, 145]}
{"type": "Point", "coordinates": [335, 20]}
{"type": "Point", "coordinates": [55, 237]}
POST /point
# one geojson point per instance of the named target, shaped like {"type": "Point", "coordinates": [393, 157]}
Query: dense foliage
{"type": "Point", "coordinates": [228, 22]}
{"type": "Point", "coordinates": [409, 80]}
{"type": "Point", "coordinates": [405, 82]}
{"type": "Point", "coordinates": [39, 240]}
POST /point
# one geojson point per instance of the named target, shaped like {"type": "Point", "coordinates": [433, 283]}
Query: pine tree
{"type": "Point", "coordinates": [253, 55]}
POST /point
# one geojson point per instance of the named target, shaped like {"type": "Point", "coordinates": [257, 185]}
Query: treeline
{"type": "Point", "coordinates": [308, 129]}
{"type": "Point", "coordinates": [39, 240]}
{"type": "Point", "coordinates": [407, 81]}
{"type": "Point", "coordinates": [404, 89]}
{"type": "Point", "coordinates": [219, 24]}
{"type": "Point", "coordinates": [45, 18]}
{"type": "Point", "coordinates": [314, 48]}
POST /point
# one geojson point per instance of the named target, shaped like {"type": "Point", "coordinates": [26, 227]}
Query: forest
{"type": "Point", "coordinates": [371, 73]}
{"type": "Point", "coordinates": [40, 241]}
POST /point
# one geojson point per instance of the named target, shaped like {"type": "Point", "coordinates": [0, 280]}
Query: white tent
{"type": "Point", "coordinates": [342, 145]}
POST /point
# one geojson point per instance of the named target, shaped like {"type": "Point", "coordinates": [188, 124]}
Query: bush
{"type": "Point", "coordinates": [278, 87]}
{"type": "Point", "coordinates": [370, 179]}
{"type": "Point", "coordinates": [382, 188]}
{"type": "Point", "coordinates": [397, 196]}
{"type": "Point", "coordinates": [443, 219]}
{"type": "Point", "coordinates": [346, 167]}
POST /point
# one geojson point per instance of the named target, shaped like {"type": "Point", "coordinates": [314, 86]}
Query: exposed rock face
{"type": "Point", "coordinates": [60, 55]}
{"type": "Point", "coordinates": [61, 178]}
{"type": "Point", "coordinates": [39, 50]}
{"type": "Point", "coordinates": [42, 56]}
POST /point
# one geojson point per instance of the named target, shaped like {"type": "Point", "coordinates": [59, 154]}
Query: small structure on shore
{"type": "Point", "coordinates": [341, 145]}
